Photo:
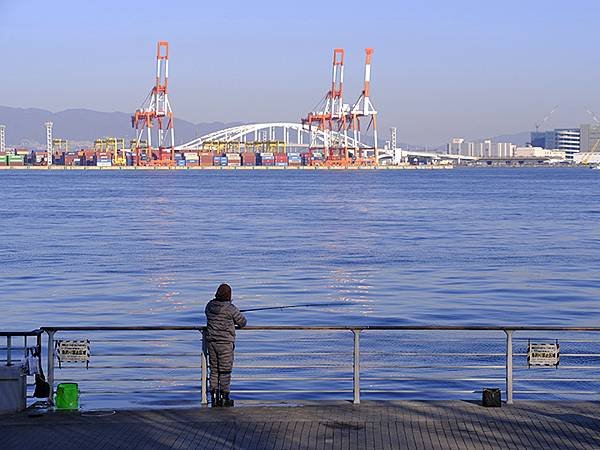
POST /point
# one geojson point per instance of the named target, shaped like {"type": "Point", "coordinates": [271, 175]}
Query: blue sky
{"type": "Point", "coordinates": [440, 69]}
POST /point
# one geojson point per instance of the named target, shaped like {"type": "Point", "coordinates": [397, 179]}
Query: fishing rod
{"type": "Point", "coordinates": [307, 305]}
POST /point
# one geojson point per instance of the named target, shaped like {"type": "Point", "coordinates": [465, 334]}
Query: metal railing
{"type": "Point", "coordinates": [368, 359]}
{"type": "Point", "coordinates": [11, 346]}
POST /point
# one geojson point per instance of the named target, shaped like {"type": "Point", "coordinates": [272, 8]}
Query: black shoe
{"type": "Point", "coordinates": [215, 398]}
{"type": "Point", "coordinates": [226, 401]}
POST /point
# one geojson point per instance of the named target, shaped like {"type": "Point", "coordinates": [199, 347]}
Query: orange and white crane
{"type": "Point", "coordinates": [329, 117]}
{"type": "Point", "coordinates": [156, 109]}
{"type": "Point", "coordinates": [363, 108]}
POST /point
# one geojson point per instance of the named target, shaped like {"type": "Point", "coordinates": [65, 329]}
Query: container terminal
{"type": "Point", "coordinates": [334, 134]}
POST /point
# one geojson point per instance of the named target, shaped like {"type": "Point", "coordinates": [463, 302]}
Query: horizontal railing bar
{"type": "Point", "coordinates": [283, 354]}
{"type": "Point", "coordinates": [21, 333]}
{"type": "Point", "coordinates": [345, 379]}
{"type": "Point", "coordinates": [559, 392]}
{"type": "Point", "coordinates": [144, 355]}
{"type": "Point", "coordinates": [333, 366]}
{"type": "Point", "coordinates": [335, 391]}
{"type": "Point", "coordinates": [166, 339]}
{"type": "Point", "coordinates": [328, 328]}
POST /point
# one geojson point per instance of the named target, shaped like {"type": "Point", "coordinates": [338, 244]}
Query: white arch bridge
{"type": "Point", "coordinates": [274, 135]}
{"type": "Point", "coordinates": [279, 136]}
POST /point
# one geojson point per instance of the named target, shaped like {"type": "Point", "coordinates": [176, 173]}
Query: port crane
{"type": "Point", "coordinates": [156, 111]}
{"type": "Point", "coordinates": [334, 120]}
{"type": "Point", "coordinates": [328, 116]}
{"type": "Point", "coordinates": [363, 108]}
{"type": "Point", "coordinates": [545, 119]}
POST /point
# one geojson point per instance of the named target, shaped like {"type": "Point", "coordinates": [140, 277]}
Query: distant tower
{"type": "Point", "coordinates": [364, 108]}
{"type": "Point", "coordinates": [396, 152]}
{"type": "Point", "coordinates": [157, 108]}
{"type": "Point", "coordinates": [2, 138]}
{"type": "Point", "coordinates": [329, 117]}
{"type": "Point", "coordinates": [49, 142]}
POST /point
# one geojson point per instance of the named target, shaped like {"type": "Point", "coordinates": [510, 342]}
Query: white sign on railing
{"type": "Point", "coordinates": [543, 354]}
{"type": "Point", "coordinates": [73, 351]}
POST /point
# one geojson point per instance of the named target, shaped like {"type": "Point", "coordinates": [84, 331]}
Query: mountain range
{"type": "Point", "coordinates": [25, 128]}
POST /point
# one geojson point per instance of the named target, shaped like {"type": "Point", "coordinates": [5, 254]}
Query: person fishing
{"type": "Point", "coordinates": [222, 317]}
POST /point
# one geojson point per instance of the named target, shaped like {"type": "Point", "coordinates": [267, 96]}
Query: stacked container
{"type": "Point", "coordinates": [234, 159]}
{"type": "Point", "coordinates": [281, 159]}
{"type": "Point", "coordinates": [294, 159]}
{"type": "Point", "coordinates": [316, 158]}
{"type": "Point", "coordinates": [206, 159]}
{"type": "Point", "coordinates": [267, 159]}
{"type": "Point", "coordinates": [191, 159]}
{"type": "Point", "coordinates": [15, 160]}
{"type": "Point", "coordinates": [249, 159]}
{"type": "Point", "coordinates": [38, 158]}
{"type": "Point", "coordinates": [179, 160]}
{"type": "Point", "coordinates": [103, 159]}
{"type": "Point", "coordinates": [72, 159]}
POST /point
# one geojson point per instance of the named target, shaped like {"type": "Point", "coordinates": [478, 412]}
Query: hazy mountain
{"type": "Point", "coordinates": [25, 126]}
{"type": "Point", "coordinates": [519, 139]}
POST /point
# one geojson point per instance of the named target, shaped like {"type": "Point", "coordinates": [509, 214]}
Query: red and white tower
{"type": "Point", "coordinates": [363, 108]}
{"type": "Point", "coordinates": [330, 115]}
{"type": "Point", "coordinates": [156, 111]}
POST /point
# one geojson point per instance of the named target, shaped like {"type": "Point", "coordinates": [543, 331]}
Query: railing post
{"type": "Point", "coordinates": [356, 377]}
{"type": "Point", "coordinates": [50, 367]}
{"type": "Point", "coordinates": [204, 369]}
{"type": "Point", "coordinates": [509, 367]}
{"type": "Point", "coordinates": [9, 350]}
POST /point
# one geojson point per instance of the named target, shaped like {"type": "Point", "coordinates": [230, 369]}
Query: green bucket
{"type": "Point", "coordinates": [67, 396]}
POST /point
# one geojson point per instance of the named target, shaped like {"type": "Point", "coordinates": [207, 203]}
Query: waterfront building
{"type": "Point", "coordinates": [589, 138]}
{"type": "Point", "coordinates": [538, 152]}
{"type": "Point", "coordinates": [483, 149]}
{"type": "Point", "coordinates": [562, 139]}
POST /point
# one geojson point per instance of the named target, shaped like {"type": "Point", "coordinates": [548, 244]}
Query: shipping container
{"type": "Point", "coordinates": [16, 160]}
{"type": "Point", "coordinates": [191, 163]}
{"type": "Point", "coordinates": [206, 159]}
{"type": "Point", "coordinates": [249, 159]}
{"type": "Point", "coordinates": [234, 159]}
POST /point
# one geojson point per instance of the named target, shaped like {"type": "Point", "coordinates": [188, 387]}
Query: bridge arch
{"type": "Point", "coordinates": [289, 134]}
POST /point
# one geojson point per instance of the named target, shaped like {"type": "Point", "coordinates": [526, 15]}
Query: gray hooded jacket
{"type": "Point", "coordinates": [222, 317]}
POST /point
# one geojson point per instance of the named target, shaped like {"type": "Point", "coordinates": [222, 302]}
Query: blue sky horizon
{"type": "Point", "coordinates": [440, 70]}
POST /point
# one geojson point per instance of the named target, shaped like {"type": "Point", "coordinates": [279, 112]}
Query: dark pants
{"type": "Point", "coordinates": [220, 358]}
